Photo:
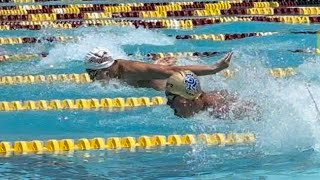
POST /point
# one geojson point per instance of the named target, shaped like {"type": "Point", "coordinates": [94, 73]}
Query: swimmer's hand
{"type": "Point", "coordinates": [225, 61]}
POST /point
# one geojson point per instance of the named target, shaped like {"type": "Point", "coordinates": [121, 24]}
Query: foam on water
{"type": "Point", "coordinates": [289, 122]}
{"type": "Point", "coordinates": [112, 38]}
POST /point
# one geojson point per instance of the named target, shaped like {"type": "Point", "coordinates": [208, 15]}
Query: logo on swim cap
{"type": "Point", "coordinates": [98, 58]}
{"type": "Point", "coordinates": [192, 83]}
{"type": "Point", "coordinates": [185, 84]}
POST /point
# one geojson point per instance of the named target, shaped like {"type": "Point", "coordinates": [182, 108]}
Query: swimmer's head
{"type": "Point", "coordinates": [97, 64]}
{"type": "Point", "coordinates": [185, 84]}
{"type": "Point", "coordinates": [98, 58]}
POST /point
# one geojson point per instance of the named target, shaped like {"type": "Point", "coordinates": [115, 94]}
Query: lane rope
{"type": "Point", "coordinates": [154, 56]}
{"type": "Point", "coordinates": [174, 9]}
{"type": "Point", "coordinates": [213, 37]}
{"type": "Point", "coordinates": [115, 143]}
{"type": "Point", "coordinates": [85, 78]}
{"type": "Point", "coordinates": [155, 23]}
{"type": "Point", "coordinates": [83, 104]}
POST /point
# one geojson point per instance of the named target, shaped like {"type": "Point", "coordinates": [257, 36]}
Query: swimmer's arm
{"type": "Point", "coordinates": [202, 70]}
{"type": "Point", "coordinates": [143, 71]}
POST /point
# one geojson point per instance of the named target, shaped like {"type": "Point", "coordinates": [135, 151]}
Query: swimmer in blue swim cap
{"type": "Point", "coordinates": [100, 65]}
{"type": "Point", "coordinates": [186, 98]}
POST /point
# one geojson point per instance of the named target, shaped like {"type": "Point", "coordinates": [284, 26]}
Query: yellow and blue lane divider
{"type": "Point", "coordinates": [113, 143]}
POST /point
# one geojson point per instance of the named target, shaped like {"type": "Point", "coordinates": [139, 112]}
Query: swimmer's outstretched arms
{"type": "Point", "coordinates": [101, 66]}
{"type": "Point", "coordinates": [185, 97]}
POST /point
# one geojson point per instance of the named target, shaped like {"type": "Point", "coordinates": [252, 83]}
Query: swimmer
{"type": "Point", "coordinates": [185, 97]}
{"type": "Point", "coordinates": [310, 51]}
{"type": "Point", "coordinates": [102, 67]}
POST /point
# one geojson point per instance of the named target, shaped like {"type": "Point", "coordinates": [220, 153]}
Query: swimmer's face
{"type": "Point", "coordinates": [100, 75]}
{"type": "Point", "coordinates": [182, 107]}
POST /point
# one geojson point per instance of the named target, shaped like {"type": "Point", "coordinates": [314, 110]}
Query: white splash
{"type": "Point", "coordinates": [112, 38]}
{"type": "Point", "coordinates": [289, 121]}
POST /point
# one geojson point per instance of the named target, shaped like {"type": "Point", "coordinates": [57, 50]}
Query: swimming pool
{"type": "Point", "coordinates": [287, 139]}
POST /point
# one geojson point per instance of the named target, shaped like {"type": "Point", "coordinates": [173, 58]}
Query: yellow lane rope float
{"type": "Point", "coordinates": [84, 77]}
{"type": "Point", "coordinates": [20, 57]}
{"type": "Point", "coordinates": [159, 12]}
{"type": "Point", "coordinates": [80, 3]}
{"type": "Point", "coordinates": [84, 104]}
{"type": "Point", "coordinates": [158, 9]}
{"type": "Point", "coordinates": [154, 23]}
{"type": "Point", "coordinates": [102, 11]}
{"type": "Point", "coordinates": [28, 57]}
{"type": "Point", "coordinates": [154, 56]}
{"type": "Point", "coordinates": [213, 37]}
{"type": "Point", "coordinates": [188, 5]}
{"type": "Point", "coordinates": [25, 40]}
{"type": "Point", "coordinates": [114, 143]}
{"type": "Point", "coordinates": [33, 79]}
{"type": "Point", "coordinates": [47, 1]}
{"type": "Point", "coordinates": [114, 8]}
{"type": "Point", "coordinates": [223, 37]}
{"type": "Point", "coordinates": [275, 72]}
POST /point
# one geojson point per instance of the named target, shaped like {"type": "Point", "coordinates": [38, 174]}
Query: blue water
{"type": "Point", "coordinates": [287, 144]}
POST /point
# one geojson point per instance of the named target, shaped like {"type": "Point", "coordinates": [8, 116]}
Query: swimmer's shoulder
{"type": "Point", "coordinates": [126, 61]}
{"type": "Point", "coordinates": [215, 96]}
{"type": "Point", "coordinates": [217, 92]}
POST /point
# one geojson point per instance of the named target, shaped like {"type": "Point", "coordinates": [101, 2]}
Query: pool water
{"type": "Point", "coordinates": [287, 133]}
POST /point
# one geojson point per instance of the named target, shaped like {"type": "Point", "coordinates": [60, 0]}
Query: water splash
{"type": "Point", "coordinates": [289, 120]}
{"type": "Point", "coordinates": [112, 38]}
